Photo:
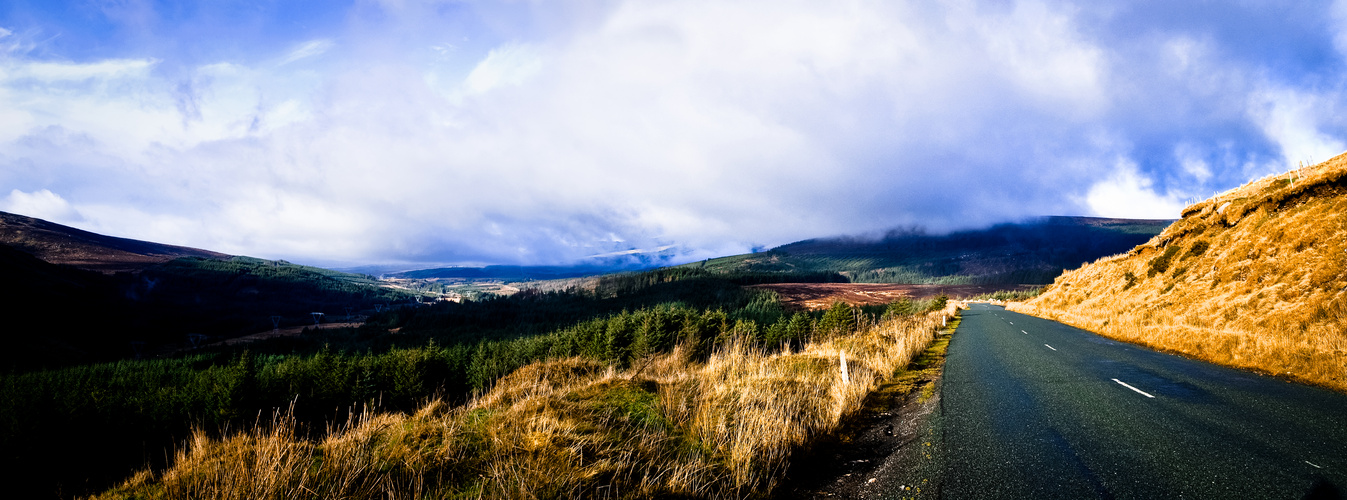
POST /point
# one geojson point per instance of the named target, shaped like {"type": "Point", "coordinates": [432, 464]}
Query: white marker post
{"type": "Point", "coordinates": [845, 378]}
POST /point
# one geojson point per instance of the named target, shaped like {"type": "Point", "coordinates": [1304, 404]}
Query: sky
{"type": "Point", "coordinates": [548, 132]}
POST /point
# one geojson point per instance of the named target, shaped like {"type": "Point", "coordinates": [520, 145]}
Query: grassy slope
{"type": "Point", "coordinates": [1255, 278]}
{"type": "Point", "coordinates": [239, 294]}
{"type": "Point", "coordinates": [1029, 252]}
{"type": "Point", "coordinates": [668, 426]}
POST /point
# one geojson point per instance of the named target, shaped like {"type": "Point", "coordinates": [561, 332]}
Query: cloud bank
{"type": "Point", "coordinates": [443, 132]}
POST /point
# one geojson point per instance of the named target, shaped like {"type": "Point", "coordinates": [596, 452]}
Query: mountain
{"type": "Point", "coordinates": [1253, 278]}
{"type": "Point", "coordinates": [1029, 252]}
{"type": "Point", "coordinates": [594, 265]}
{"type": "Point", "coordinates": [60, 244]}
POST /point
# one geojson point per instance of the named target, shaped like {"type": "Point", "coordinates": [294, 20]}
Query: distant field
{"type": "Point", "coordinates": [283, 332]}
{"type": "Point", "coordinates": [822, 295]}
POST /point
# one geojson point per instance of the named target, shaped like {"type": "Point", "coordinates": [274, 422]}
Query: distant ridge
{"type": "Point", "coordinates": [1255, 277]}
{"type": "Point", "coordinates": [1029, 252]}
{"type": "Point", "coordinates": [510, 273]}
{"type": "Point", "coordinates": [60, 244]}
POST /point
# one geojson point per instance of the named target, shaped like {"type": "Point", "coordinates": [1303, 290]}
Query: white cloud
{"type": "Point", "coordinates": [311, 48]}
{"type": "Point", "coordinates": [13, 122]}
{"type": "Point", "coordinates": [1292, 120]}
{"type": "Point", "coordinates": [1130, 194]}
{"type": "Point", "coordinates": [63, 71]}
{"type": "Point", "coordinates": [553, 132]}
{"type": "Point", "coordinates": [42, 204]}
{"type": "Point", "coordinates": [1192, 162]}
{"type": "Point", "coordinates": [1042, 52]}
{"type": "Point", "coordinates": [1338, 14]}
{"type": "Point", "coordinates": [511, 64]}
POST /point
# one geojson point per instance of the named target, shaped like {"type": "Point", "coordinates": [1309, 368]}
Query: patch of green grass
{"type": "Point", "coordinates": [637, 403]}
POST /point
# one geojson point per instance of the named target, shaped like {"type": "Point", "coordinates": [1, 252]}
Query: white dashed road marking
{"type": "Point", "coordinates": [1139, 391]}
{"type": "Point", "coordinates": [1054, 348]}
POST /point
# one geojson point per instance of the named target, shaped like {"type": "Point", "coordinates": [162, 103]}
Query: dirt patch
{"type": "Point", "coordinates": [822, 295]}
{"type": "Point", "coordinates": [283, 332]}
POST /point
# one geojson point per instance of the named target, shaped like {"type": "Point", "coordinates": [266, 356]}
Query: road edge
{"type": "Point", "coordinates": [892, 448]}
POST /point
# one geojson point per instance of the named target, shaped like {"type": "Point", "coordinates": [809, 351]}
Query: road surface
{"type": "Point", "coordinates": [1032, 408]}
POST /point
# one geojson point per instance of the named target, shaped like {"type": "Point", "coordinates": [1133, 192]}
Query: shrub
{"type": "Point", "coordinates": [1160, 264]}
{"type": "Point", "coordinates": [901, 307]}
{"type": "Point", "coordinates": [839, 318]}
{"type": "Point", "coordinates": [1197, 249]}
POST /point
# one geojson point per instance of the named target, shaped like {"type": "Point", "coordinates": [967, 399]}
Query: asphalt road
{"type": "Point", "coordinates": [1032, 408]}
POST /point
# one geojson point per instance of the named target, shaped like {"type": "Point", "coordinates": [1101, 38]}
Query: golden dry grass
{"type": "Point", "coordinates": [571, 428]}
{"type": "Point", "coordinates": [1254, 278]}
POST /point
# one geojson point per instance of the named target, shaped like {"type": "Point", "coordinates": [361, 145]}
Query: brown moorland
{"type": "Point", "coordinates": [1254, 278]}
{"type": "Point", "coordinates": [823, 295]}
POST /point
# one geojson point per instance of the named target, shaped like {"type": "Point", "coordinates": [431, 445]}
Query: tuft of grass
{"type": "Point", "coordinates": [669, 425]}
{"type": "Point", "coordinates": [1263, 285]}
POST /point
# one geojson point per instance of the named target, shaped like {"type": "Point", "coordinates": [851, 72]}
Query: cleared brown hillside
{"type": "Point", "coordinates": [814, 296]}
{"type": "Point", "coordinates": [1254, 278]}
{"type": "Point", "coordinates": [60, 244]}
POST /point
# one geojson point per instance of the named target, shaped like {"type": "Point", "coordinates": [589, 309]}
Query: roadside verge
{"type": "Point", "coordinates": [891, 448]}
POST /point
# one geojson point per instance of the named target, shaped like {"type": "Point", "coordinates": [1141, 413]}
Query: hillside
{"type": "Point", "coordinates": [1030, 252]}
{"type": "Point", "coordinates": [102, 298]}
{"type": "Point", "coordinates": [1254, 278]}
{"type": "Point", "coordinates": [60, 244]}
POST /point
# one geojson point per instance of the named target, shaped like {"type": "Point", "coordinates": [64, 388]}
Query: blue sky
{"type": "Point", "coordinates": [436, 132]}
